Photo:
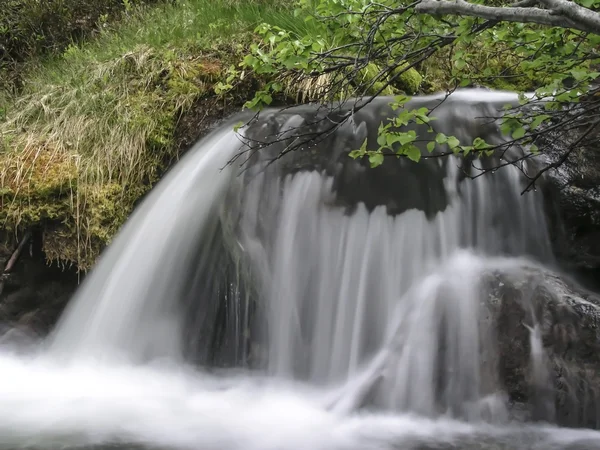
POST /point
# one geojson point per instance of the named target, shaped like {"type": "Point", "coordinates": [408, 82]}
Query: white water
{"type": "Point", "coordinates": [358, 310]}
{"type": "Point", "coordinates": [47, 404]}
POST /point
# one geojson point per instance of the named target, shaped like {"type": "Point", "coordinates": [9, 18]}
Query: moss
{"type": "Point", "coordinates": [408, 81]}
{"type": "Point", "coordinates": [36, 185]}
{"type": "Point", "coordinates": [493, 64]}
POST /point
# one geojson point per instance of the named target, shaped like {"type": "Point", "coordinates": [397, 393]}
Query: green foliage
{"type": "Point", "coordinates": [360, 48]}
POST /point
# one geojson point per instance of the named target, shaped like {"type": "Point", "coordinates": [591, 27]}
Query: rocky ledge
{"type": "Point", "coordinates": [565, 388]}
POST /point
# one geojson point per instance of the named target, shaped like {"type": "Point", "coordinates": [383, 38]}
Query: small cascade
{"type": "Point", "coordinates": [259, 300]}
{"type": "Point", "coordinates": [332, 274]}
{"type": "Point", "coordinates": [129, 308]}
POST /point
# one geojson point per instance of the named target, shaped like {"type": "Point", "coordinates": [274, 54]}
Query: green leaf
{"type": "Point", "coordinates": [413, 153]}
{"type": "Point", "coordinates": [405, 138]}
{"type": "Point", "coordinates": [518, 133]}
{"type": "Point", "coordinates": [431, 146]}
{"type": "Point", "coordinates": [480, 144]}
{"type": "Point", "coordinates": [460, 63]}
{"type": "Point", "coordinates": [400, 100]}
{"type": "Point", "coordinates": [579, 74]}
{"type": "Point", "coordinates": [452, 142]}
{"type": "Point", "coordinates": [537, 120]}
{"type": "Point", "coordinates": [375, 159]}
{"type": "Point", "coordinates": [360, 152]}
{"type": "Point", "coordinates": [421, 118]}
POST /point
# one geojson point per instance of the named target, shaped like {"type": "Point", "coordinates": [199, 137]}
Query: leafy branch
{"type": "Point", "coordinates": [353, 51]}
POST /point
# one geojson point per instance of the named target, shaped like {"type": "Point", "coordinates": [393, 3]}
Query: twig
{"type": "Point", "coordinates": [17, 253]}
{"type": "Point", "coordinates": [563, 158]}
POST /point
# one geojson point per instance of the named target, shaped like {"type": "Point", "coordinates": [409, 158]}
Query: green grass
{"type": "Point", "coordinates": [93, 128]}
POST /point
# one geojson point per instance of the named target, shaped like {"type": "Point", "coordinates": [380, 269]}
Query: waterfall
{"type": "Point", "coordinates": [307, 301]}
{"type": "Point", "coordinates": [128, 307]}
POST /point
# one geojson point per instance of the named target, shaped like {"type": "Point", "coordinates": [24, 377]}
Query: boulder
{"type": "Point", "coordinates": [566, 388]}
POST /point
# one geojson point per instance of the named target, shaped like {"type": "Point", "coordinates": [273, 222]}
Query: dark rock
{"type": "Point", "coordinates": [569, 317]}
{"type": "Point", "coordinates": [311, 138]}
{"type": "Point", "coordinates": [33, 294]}
{"type": "Point", "coordinates": [574, 206]}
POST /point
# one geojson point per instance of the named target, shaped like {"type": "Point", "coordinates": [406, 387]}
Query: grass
{"type": "Point", "coordinates": [94, 128]}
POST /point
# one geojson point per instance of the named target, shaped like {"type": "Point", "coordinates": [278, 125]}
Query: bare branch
{"type": "Point", "coordinates": [17, 253]}
{"type": "Point", "coordinates": [559, 15]}
{"type": "Point", "coordinates": [564, 156]}
{"type": "Point", "coordinates": [575, 12]}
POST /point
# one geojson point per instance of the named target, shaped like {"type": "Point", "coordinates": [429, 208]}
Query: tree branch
{"type": "Point", "coordinates": [17, 253]}
{"type": "Point", "coordinates": [521, 14]}
{"type": "Point", "coordinates": [575, 12]}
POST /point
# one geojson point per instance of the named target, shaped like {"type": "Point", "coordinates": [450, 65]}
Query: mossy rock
{"type": "Point", "coordinates": [410, 81]}
{"type": "Point", "coordinates": [407, 82]}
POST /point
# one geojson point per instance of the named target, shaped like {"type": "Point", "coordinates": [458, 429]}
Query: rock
{"type": "Point", "coordinates": [574, 207]}
{"type": "Point", "coordinates": [569, 320]}
{"type": "Point", "coordinates": [326, 140]}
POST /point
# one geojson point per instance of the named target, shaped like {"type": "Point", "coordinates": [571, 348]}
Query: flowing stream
{"type": "Point", "coordinates": [271, 306]}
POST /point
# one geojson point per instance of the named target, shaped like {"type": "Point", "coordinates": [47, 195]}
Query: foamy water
{"type": "Point", "coordinates": [47, 404]}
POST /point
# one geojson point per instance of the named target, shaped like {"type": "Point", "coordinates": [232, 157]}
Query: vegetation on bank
{"type": "Point", "coordinates": [30, 29]}
{"type": "Point", "coordinates": [93, 128]}
{"type": "Point", "coordinates": [94, 125]}
{"type": "Point", "coordinates": [111, 92]}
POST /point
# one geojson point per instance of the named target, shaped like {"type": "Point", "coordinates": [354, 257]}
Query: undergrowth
{"type": "Point", "coordinates": [93, 128]}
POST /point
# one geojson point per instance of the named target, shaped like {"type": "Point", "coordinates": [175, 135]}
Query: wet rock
{"type": "Point", "coordinates": [320, 139]}
{"type": "Point", "coordinates": [569, 321]}
{"type": "Point", "coordinates": [574, 206]}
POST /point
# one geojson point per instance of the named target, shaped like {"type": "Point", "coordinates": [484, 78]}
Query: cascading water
{"type": "Point", "coordinates": [310, 303]}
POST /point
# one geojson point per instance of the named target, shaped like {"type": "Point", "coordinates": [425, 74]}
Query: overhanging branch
{"type": "Point", "coordinates": [579, 18]}
{"type": "Point", "coordinates": [576, 13]}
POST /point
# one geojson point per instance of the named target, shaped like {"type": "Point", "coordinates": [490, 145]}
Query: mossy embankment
{"type": "Point", "coordinates": [94, 127]}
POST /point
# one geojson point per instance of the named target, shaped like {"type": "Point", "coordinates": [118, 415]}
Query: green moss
{"type": "Point", "coordinates": [495, 65]}
{"type": "Point", "coordinates": [408, 81]}
{"type": "Point", "coordinates": [26, 213]}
